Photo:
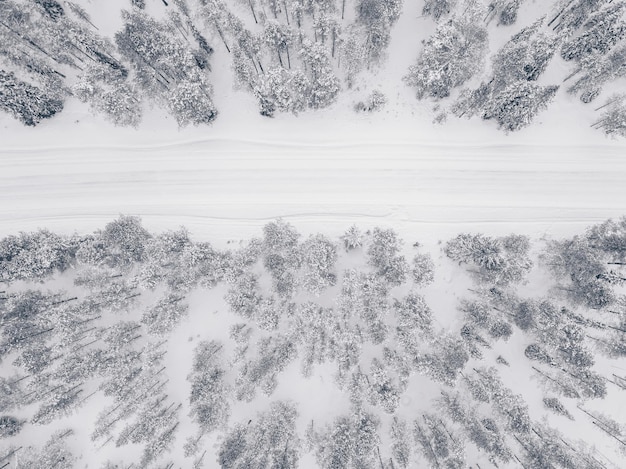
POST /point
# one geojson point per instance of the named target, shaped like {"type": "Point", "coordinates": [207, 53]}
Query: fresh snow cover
{"type": "Point", "coordinates": [321, 171]}
{"type": "Point", "coordinates": [222, 189]}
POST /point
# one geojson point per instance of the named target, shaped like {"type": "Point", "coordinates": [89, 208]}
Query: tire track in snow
{"type": "Point", "coordinates": [263, 144]}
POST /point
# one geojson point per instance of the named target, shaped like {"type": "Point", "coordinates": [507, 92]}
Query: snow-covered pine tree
{"type": "Point", "coordinates": [268, 440]}
{"type": "Point", "coordinates": [27, 103]}
{"type": "Point", "coordinates": [451, 56]}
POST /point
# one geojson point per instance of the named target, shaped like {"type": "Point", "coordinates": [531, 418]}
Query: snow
{"type": "Point", "coordinates": [220, 188]}
{"type": "Point", "coordinates": [331, 166]}
{"type": "Point", "coordinates": [322, 172]}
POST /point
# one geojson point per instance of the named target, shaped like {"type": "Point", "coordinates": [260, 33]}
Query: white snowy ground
{"type": "Point", "coordinates": [225, 188]}
{"type": "Point", "coordinates": [320, 171]}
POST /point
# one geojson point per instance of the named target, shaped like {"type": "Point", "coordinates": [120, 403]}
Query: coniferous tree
{"type": "Point", "coordinates": [516, 106]}
{"type": "Point", "coordinates": [413, 313]}
{"type": "Point", "coordinates": [511, 407]}
{"type": "Point", "coordinates": [444, 361]}
{"type": "Point", "coordinates": [268, 440]}
{"type": "Point", "coordinates": [319, 256]}
{"type": "Point", "coordinates": [383, 253]}
{"type": "Point", "coordinates": [588, 281]}
{"type": "Point", "coordinates": [55, 453]}
{"type": "Point", "coordinates": [525, 56]}
{"type": "Point", "coordinates": [556, 406]}
{"type": "Point", "coordinates": [244, 297]}
{"type": "Point", "coordinates": [500, 260]}
{"type": "Point", "coordinates": [451, 56]}
{"type": "Point", "coordinates": [208, 399]}
{"type": "Point", "coordinates": [199, 264]}
{"type": "Point", "coordinates": [9, 426]}
{"type": "Point", "coordinates": [166, 68]}
{"type": "Point", "coordinates": [34, 255]}
{"type": "Point", "coordinates": [26, 102]}
{"type": "Point", "coordinates": [602, 31]}
{"type": "Point", "coordinates": [375, 101]}
{"type": "Point", "coordinates": [481, 315]}
{"type": "Point", "coordinates": [401, 446]}
{"type": "Point", "coordinates": [109, 93]}
{"type": "Point", "coordinates": [273, 355]}
{"type": "Point", "coordinates": [572, 14]}
{"type": "Point", "coordinates": [352, 238]}
{"type": "Point", "coordinates": [508, 12]}
{"type": "Point", "coordinates": [483, 432]}
{"type": "Point", "coordinates": [313, 327]}
{"type": "Point", "coordinates": [378, 16]}
{"type": "Point", "coordinates": [511, 97]}
{"type": "Point", "coordinates": [52, 8]}
{"type": "Point", "coordinates": [365, 296]}
{"type": "Point", "coordinates": [440, 447]}
{"type": "Point", "coordinates": [613, 119]}
{"type": "Point", "coordinates": [163, 317]}
{"type": "Point", "coordinates": [124, 241]}
{"type": "Point", "coordinates": [594, 71]}
{"type": "Point", "coordinates": [423, 271]}
{"type": "Point", "coordinates": [349, 442]}
{"type": "Point", "coordinates": [383, 391]}
{"type": "Point", "coordinates": [438, 8]}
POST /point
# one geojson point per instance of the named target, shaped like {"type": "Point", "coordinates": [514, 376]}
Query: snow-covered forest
{"type": "Point", "coordinates": [502, 61]}
{"type": "Point", "coordinates": [315, 234]}
{"type": "Point", "coordinates": [124, 348]}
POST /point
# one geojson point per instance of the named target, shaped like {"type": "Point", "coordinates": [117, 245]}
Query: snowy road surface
{"type": "Point", "coordinates": [220, 187]}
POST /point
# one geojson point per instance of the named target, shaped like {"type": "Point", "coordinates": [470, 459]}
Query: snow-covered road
{"type": "Point", "coordinates": [221, 187]}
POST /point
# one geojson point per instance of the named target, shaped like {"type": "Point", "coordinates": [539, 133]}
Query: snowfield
{"type": "Point", "coordinates": [322, 172]}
